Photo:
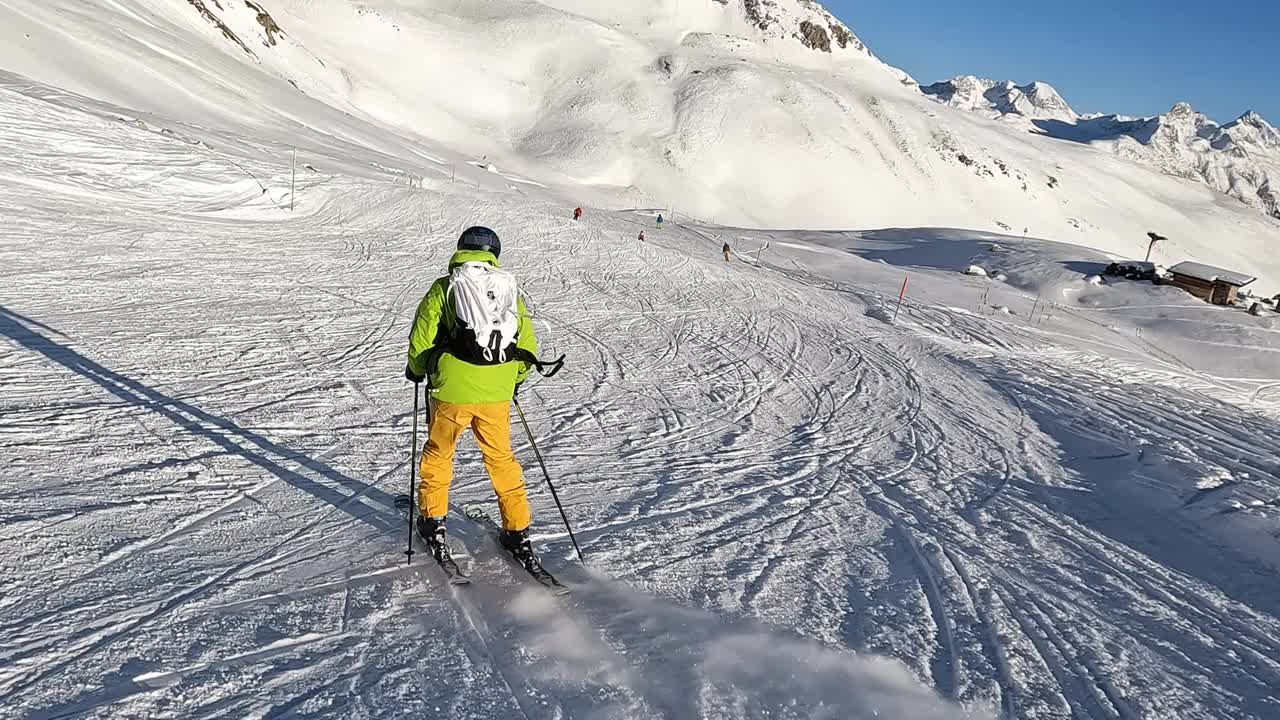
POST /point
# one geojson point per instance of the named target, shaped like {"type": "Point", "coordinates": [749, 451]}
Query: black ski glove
{"type": "Point", "coordinates": [411, 376]}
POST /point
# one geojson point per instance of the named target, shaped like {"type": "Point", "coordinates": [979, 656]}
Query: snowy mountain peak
{"type": "Point", "coordinates": [1036, 100]}
{"type": "Point", "coordinates": [1043, 98]}
{"type": "Point", "coordinates": [1256, 120]}
{"type": "Point", "coordinates": [1183, 123]}
{"type": "Point", "coordinates": [804, 20]}
{"type": "Point", "coordinates": [1044, 95]}
{"type": "Point", "coordinates": [1254, 129]}
{"type": "Point", "coordinates": [1241, 159]}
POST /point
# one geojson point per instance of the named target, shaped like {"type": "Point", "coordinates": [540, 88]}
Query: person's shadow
{"type": "Point", "coordinates": [315, 477]}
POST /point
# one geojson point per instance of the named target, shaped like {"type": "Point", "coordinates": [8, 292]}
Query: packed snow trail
{"type": "Point", "coordinates": [205, 426]}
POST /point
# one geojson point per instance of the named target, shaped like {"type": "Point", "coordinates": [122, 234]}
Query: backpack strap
{"type": "Point", "coordinates": [525, 356]}
{"type": "Point", "coordinates": [518, 355]}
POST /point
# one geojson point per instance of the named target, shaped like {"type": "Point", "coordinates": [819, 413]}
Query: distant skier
{"type": "Point", "coordinates": [641, 238]}
{"type": "Point", "coordinates": [727, 252]}
{"type": "Point", "coordinates": [659, 220]}
{"type": "Point", "coordinates": [472, 381]}
{"type": "Point", "coordinates": [577, 213]}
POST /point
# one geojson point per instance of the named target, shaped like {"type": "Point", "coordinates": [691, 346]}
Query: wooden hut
{"type": "Point", "coordinates": [1211, 284]}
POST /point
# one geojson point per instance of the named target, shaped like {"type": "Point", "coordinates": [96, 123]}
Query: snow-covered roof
{"type": "Point", "coordinates": [1209, 273]}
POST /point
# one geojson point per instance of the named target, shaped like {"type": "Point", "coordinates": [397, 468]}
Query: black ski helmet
{"type": "Point", "coordinates": [480, 238]}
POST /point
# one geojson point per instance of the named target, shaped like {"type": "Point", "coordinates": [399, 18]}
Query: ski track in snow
{"type": "Point", "coordinates": [205, 428]}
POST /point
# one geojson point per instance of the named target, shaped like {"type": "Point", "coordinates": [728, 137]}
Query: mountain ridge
{"type": "Point", "coordinates": [969, 92]}
{"type": "Point", "coordinates": [1240, 159]}
{"type": "Point", "coordinates": [1168, 143]}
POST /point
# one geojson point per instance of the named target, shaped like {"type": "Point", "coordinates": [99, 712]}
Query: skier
{"type": "Point", "coordinates": [641, 236]}
{"type": "Point", "coordinates": [472, 382]}
{"type": "Point", "coordinates": [577, 213]}
{"type": "Point", "coordinates": [659, 220]}
{"type": "Point", "coordinates": [727, 252]}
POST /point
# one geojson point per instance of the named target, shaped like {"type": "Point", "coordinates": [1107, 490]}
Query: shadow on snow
{"type": "Point", "coordinates": [334, 488]}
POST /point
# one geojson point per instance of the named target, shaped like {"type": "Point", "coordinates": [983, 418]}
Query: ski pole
{"type": "Point", "coordinates": [413, 480]}
{"type": "Point", "coordinates": [547, 475]}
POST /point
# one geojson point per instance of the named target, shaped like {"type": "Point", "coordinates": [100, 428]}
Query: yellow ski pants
{"type": "Point", "coordinates": [491, 424]}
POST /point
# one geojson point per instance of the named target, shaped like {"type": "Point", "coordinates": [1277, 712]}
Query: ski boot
{"type": "Point", "coordinates": [432, 532]}
{"type": "Point", "coordinates": [517, 543]}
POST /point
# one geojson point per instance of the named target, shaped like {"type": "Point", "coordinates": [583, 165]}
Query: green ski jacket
{"type": "Point", "coordinates": [457, 381]}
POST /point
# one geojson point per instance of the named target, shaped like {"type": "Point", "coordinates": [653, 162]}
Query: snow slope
{"type": "Point", "coordinates": [721, 110]}
{"type": "Point", "coordinates": [792, 506]}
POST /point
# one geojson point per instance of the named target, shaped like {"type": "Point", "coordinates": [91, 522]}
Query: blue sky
{"type": "Point", "coordinates": [1133, 57]}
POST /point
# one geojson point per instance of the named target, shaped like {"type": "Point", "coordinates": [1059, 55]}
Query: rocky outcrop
{"type": "Point", "coordinates": [815, 37]}
{"type": "Point", "coordinates": [217, 23]}
{"type": "Point", "coordinates": [756, 12]}
{"type": "Point", "coordinates": [226, 17]}
{"type": "Point", "coordinates": [844, 38]}
{"type": "Point", "coordinates": [268, 24]}
{"type": "Point", "coordinates": [805, 20]}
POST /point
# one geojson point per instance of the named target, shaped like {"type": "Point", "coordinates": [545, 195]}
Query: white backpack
{"type": "Point", "coordinates": [484, 303]}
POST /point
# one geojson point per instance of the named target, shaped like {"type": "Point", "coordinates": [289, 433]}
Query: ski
{"type": "Point", "coordinates": [447, 564]}
{"type": "Point", "coordinates": [451, 569]}
{"type": "Point", "coordinates": [478, 514]}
